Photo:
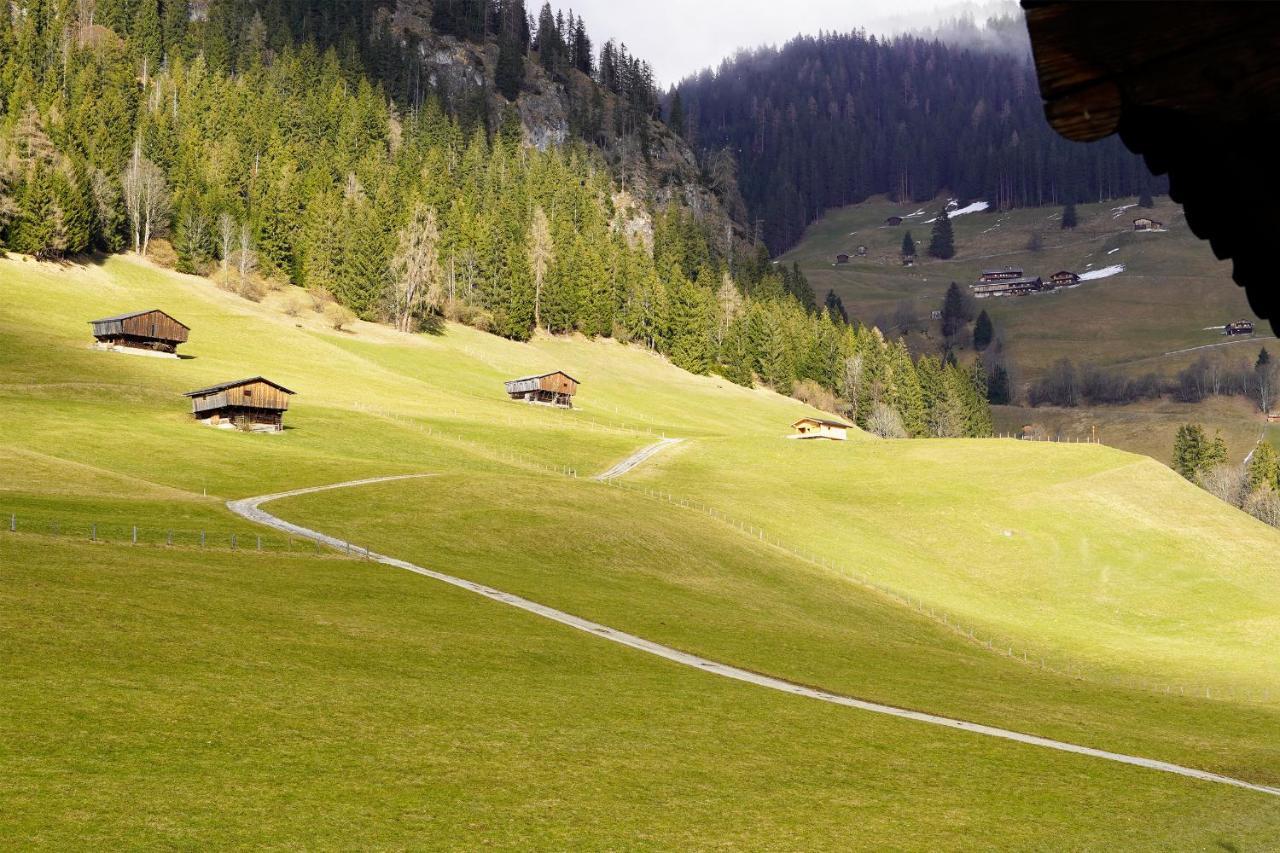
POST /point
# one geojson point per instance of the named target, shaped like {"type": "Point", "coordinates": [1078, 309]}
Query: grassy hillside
{"type": "Point", "coordinates": [1172, 288]}
{"type": "Point", "coordinates": [1155, 316]}
{"type": "Point", "coordinates": [178, 696]}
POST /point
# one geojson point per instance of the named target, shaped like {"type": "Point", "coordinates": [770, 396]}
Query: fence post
{"type": "Point", "coordinates": [135, 534]}
{"type": "Point", "coordinates": [259, 543]}
{"type": "Point", "coordinates": [93, 532]}
{"type": "Point", "coordinates": [13, 522]}
{"type": "Point", "coordinates": [233, 541]}
{"type": "Point", "coordinates": [168, 540]}
{"type": "Point", "coordinates": [201, 538]}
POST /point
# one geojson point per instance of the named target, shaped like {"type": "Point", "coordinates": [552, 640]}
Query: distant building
{"type": "Point", "coordinates": [1145, 224]}
{"type": "Point", "coordinates": [150, 331]}
{"type": "Point", "coordinates": [549, 389]}
{"type": "Point", "coordinates": [251, 405]}
{"type": "Point", "coordinates": [1240, 327]}
{"type": "Point", "coordinates": [908, 261]}
{"type": "Point", "coordinates": [1007, 287]}
{"type": "Point", "coordinates": [1064, 278]}
{"type": "Point", "coordinates": [935, 314]}
{"type": "Point", "coordinates": [820, 428]}
{"type": "Point", "coordinates": [842, 258]}
{"type": "Point", "coordinates": [893, 220]}
{"type": "Point", "coordinates": [1000, 274]}
{"type": "Point", "coordinates": [862, 251]}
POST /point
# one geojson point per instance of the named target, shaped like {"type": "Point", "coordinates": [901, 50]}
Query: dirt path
{"type": "Point", "coordinates": [636, 458]}
{"type": "Point", "coordinates": [250, 508]}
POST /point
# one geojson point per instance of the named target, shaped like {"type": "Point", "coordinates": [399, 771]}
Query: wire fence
{"type": "Point", "coordinates": [158, 536]}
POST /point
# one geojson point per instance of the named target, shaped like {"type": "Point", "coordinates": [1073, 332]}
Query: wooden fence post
{"type": "Point", "coordinates": [13, 522]}
{"type": "Point", "coordinates": [201, 538]}
{"type": "Point", "coordinates": [93, 532]}
{"type": "Point", "coordinates": [233, 541]}
{"type": "Point", "coordinates": [135, 534]}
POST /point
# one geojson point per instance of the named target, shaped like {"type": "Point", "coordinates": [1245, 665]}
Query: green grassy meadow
{"type": "Point", "coordinates": [160, 696]}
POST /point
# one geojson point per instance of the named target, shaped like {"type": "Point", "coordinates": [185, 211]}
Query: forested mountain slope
{"type": "Point", "coordinates": [827, 121]}
{"type": "Point", "coordinates": [412, 167]}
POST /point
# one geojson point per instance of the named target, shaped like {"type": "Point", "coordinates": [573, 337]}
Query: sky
{"type": "Point", "coordinates": [681, 37]}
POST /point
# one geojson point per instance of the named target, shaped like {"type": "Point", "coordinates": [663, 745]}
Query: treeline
{"type": "Point", "coordinates": [1067, 384]}
{"type": "Point", "coordinates": [1253, 486]}
{"type": "Point", "coordinates": [288, 170]}
{"type": "Point", "coordinates": [828, 121]}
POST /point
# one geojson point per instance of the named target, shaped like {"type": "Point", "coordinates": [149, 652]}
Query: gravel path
{"type": "Point", "coordinates": [250, 508]}
{"type": "Point", "coordinates": [636, 458]}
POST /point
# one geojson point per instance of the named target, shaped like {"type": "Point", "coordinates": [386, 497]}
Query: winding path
{"type": "Point", "coordinates": [636, 458]}
{"type": "Point", "coordinates": [251, 509]}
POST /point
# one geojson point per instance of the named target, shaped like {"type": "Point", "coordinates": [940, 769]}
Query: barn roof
{"type": "Point", "coordinates": [543, 375]}
{"type": "Point", "coordinates": [1062, 272]}
{"type": "Point", "coordinates": [214, 389]}
{"type": "Point", "coordinates": [1003, 270]}
{"type": "Point", "coordinates": [822, 422]}
{"type": "Point", "coordinates": [133, 314]}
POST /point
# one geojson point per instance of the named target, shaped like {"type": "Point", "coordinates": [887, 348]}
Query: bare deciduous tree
{"type": "Point", "coordinates": [1225, 482]}
{"type": "Point", "coordinates": [417, 279]}
{"type": "Point", "coordinates": [885, 422]}
{"type": "Point", "coordinates": [541, 254]}
{"type": "Point", "coordinates": [728, 307]}
{"type": "Point", "coordinates": [246, 257]}
{"type": "Point", "coordinates": [146, 199]}
{"type": "Point", "coordinates": [227, 231]}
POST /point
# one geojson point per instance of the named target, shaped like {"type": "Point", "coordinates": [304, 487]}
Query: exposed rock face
{"type": "Point", "coordinates": [463, 72]}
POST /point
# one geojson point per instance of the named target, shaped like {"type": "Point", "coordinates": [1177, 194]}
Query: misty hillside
{"type": "Point", "coordinates": [829, 121]}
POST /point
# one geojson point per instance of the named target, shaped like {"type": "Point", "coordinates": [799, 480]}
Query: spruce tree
{"type": "Point", "coordinates": [675, 116]}
{"type": "Point", "coordinates": [1264, 468]}
{"type": "Point", "coordinates": [956, 312]}
{"type": "Point", "coordinates": [1190, 446]}
{"type": "Point", "coordinates": [1069, 215]}
{"type": "Point", "coordinates": [908, 246]}
{"type": "Point", "coordinates": [942, 241]}
{"type": "Point", "coordinates": [1264, 358]}
{"type": "Point", "coordinates": [983, 332]}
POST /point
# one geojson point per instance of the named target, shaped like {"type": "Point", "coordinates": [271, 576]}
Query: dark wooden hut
{"type": "Point", "coordinates": [893, 220]}
{"type": "Point", "coordinates": [1064, 278]}
{"type": "Point", "coordinates": [842, 258]}
{"type": "Point", "coordinates": [152, 330]}
{"type": "Point", "coordinates": [1005, 274]}
{"type": "Point", "coordinates": [1240, 327]}
{"type": "Point", "coordinates": [551, 389]}
{"type": "Point", "coordinates": [252, 405]}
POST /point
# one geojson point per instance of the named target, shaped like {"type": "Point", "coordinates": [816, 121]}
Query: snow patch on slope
{"type": "Point", "coordinates": [1105, 272]}
{"type": "Point", "coordinates": [976, 207]}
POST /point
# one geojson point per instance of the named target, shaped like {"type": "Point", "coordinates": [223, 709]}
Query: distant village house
{"type": "Point", "coordinates": [842, 258]}
{"type": "Point", "coordinates": [251, 405]}
{"type": "Point", "coordinates": [893, 220]}
{"type": "Point", "coordinates": [862, 251]}
{"type": "Point", "coordinates": [1240, 327]}
{"type": "Point", "coordinates": [548, 389]}
{"type": "Point", "coordinates": [820, 428]}
{"type": "Point", "coordinates": [152, 332]}
{"type": "Point", "coordinates": [1001, 274]}
{"type": "Point", "coordinates": [1007, 287]}
{"type": "Point", "coordinates": [1064, 278]}
{"type": "Point", "coordinates": [1145, 224]}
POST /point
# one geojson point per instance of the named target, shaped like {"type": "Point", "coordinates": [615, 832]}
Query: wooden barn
{"type": "Point", "coordinates": [251, 405]}
{"type": "Point", "coordinates": [549, 389]}
{"type": "Point", "coordinates": [150, 331]}
{"type": "Point", "coordinates": [1001, 274]}
{"type": "Point", "coordinates": [821, 428]}
{"type": "Point", "coordinates": [1064, 278]}
{"type": "Point", "coordinates": [842, 258]}
{"type": "Point", "coordinates": [893, 220]}
{"type": "Point", "coordinates": [1145, 224]}
{"type": "Point", "coordinates": [1240, 327]}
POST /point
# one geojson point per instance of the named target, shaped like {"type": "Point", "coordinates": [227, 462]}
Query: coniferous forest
{"type": "Point", "coordinates": [295, 142]}
{"type": "Point", "coordinates": [828, 121]}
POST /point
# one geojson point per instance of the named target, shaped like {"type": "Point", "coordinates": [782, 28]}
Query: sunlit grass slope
{"type": "Point", "coordinates": [172, 696]}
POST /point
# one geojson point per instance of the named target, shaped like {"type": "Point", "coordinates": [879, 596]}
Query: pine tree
{"type": "Point", "coordinates": [146, 35]}
{"type": "Point", "coordinates": [1264, 358]}
{"type": "Point", "coordinates": [983, 332]}
{"type": "Point", "coordinates": [675, 116]}
{"type": "Point", "coordinates": [908, 246]}
{"type": "Point", "coordinates": [1144, 198]}
{"type": "Point", "coordinates": [956, 312]}
{"type": "Point", "coordinates": [942, 241]}
{"type": "Point", "coordinates": [1264, 468]}
{"type": "Point", "coordinates": [1190, 447]}
{"type": "Point", "coordinates": [1069, 215]}
{"type": "Point", "coordinates": [1215, 454]}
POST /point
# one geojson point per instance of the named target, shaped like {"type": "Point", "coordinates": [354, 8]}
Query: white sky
{"type": "Point", "coordinates": [681, 37]}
